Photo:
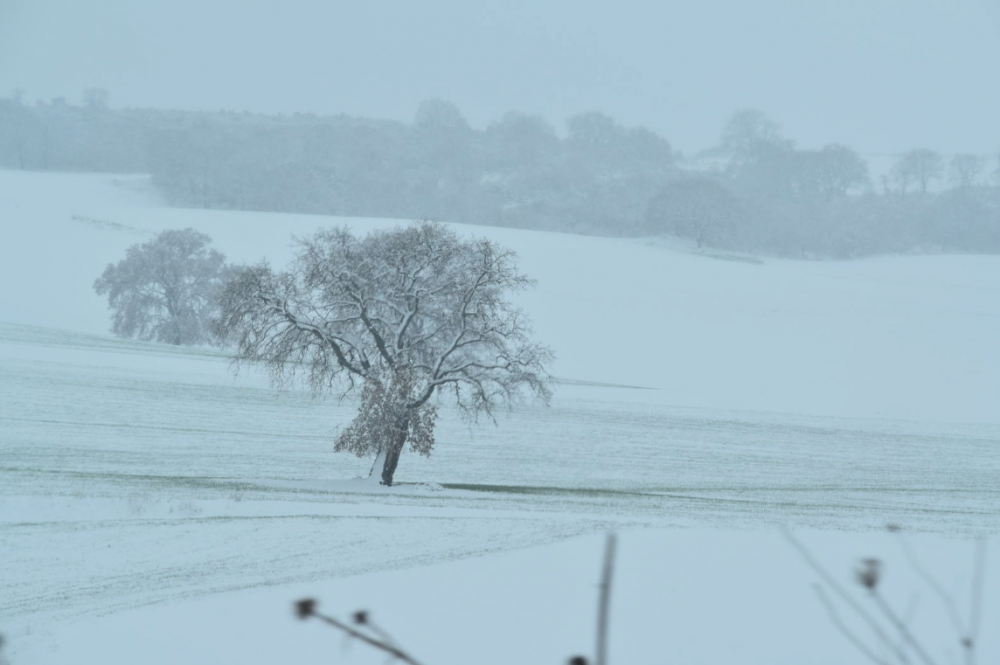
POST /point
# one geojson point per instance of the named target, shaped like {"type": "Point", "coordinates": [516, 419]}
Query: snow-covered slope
{"type": "Point", "coordinates": [895, 337]}
{"type": "Point", "coordinates": [681, 596]}
{"type": "Point", "coordinates": [155, 508]}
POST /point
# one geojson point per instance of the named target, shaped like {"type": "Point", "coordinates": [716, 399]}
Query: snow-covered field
{"type": "Point", "coordinates": [156, 508]}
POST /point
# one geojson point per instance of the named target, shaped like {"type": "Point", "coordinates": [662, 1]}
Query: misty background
{"type": "Point", "coordinates": [819, 129]}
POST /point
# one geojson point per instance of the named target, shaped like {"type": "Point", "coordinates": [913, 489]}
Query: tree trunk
{"type": "Point", "coordinates": [395, 448]}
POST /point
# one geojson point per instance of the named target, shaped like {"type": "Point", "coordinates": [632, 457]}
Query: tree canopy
{"type": "Point", "coordinates": [166, 290]}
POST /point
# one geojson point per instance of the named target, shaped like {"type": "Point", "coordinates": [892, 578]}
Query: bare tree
{"type": "Point", "coordinates": [901, 176]}
{"type": "Point", "coordinates": [96, 99]}
{"type": "Point", "coordinates": [750, 134]}
{"type": "Point", "coordinates": [919, 166]}
{"type": "Point", "coordinates": [965, 169]}
{"type": "Point", "coordinates": [401, 315]}
{"type": "Point", "coordinates": [166, 289]}
{"type": "Point", "coordinates": [840, 170]}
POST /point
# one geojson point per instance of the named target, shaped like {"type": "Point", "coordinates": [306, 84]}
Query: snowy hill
{"type": "Point", "coordinates": [908, 338]}
{"type": "Point", "coordinates": [154, 508]}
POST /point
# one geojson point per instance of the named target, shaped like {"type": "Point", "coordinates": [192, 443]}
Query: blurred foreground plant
{"type": "Point", "coordinates": [367, 631]}
{"type": "Point", "coordinates": [868, 575]}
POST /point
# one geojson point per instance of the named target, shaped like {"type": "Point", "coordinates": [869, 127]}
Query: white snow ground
{"type": "Point", "coordinates": [154, 508]}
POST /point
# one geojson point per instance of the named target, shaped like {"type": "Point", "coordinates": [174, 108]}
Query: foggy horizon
{"type": "Point", "coordinates": [882, 79]}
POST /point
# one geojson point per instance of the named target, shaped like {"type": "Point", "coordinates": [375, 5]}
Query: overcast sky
{"type": "Point", "coordinates": [880, 75]}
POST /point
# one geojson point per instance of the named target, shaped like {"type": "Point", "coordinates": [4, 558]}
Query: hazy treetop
{"type": "Point", "coordinates": [880, 76]}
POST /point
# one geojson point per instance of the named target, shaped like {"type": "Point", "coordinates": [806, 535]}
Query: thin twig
{"type": "Point", "coordinates": [382, 634]}
{"type": "Point", "coordinates": [605, 600]}
{"type": "Point", "coordinates": [978, 579]}
{"type": "Point", "coordinates": [909, 615]}
{"type": "Point", "coordinates": [945, 597]}
{"type": "Point", "coordinates": [835, 618]}
{"type": "Point", "coordinates": [307, 608]}
{"type": "Point", "coordinates": [901, 627]}
{"type": "Point", "coordinates": [378, 644]}
{"type": "Point", "coordinates": [846, 597]}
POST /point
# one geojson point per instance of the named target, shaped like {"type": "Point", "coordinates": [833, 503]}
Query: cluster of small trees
{"type": "Point", "coordinates": [918, 168]}
{"type": "Point", "coordinates": [755, 191]}
{"type": "Point", "coordinates": [60, 136]}
{"type": "Point", "coordinates": [398, 316]}
{"type": "Point", "coordinates": [518, 171]}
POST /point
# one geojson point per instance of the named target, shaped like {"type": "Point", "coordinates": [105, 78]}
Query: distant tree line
{"type": "Point", "coordinates": [755, 191]}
